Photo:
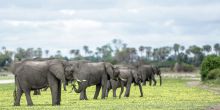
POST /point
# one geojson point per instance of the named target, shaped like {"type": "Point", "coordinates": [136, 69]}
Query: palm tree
{"type": "Point", "coordinates": [72, 52]}
{"type": "Point", "coordinates": [86, 49]}
{"type": "Point", "coordinates": [141, 49]}
{"type": "Point", "coordinates": [77, 53]}
{"type": "Point", "coordinates": [207, 48]}
{"type": "Point", "coordinates": [117, 43]}
{"type": "Point", "coordinates": [4, 49]}
{"type": "Point", "coordinates": [197, 51]}
{"type": "Point", "coordinates": [217, 48]}
{"type": "Point", "coordinates": [182, 48]}
{"type": "Point", "coordinates": [176, 48]}
{"type": "Point", "coordinates": [148, 52]}
{"type": "Point", "coordinates": [58, 52]}
{"type": "Point", "coordinates": [47, 52]}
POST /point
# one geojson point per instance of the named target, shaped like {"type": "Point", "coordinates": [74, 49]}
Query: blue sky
{"type": "Point", "coordinates": [70, 24]}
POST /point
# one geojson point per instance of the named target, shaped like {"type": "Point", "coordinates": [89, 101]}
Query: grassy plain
{"type": "Point", "coordinates": [173, 94]}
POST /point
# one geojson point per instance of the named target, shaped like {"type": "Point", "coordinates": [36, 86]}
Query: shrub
{"type": "Point", "coordinates": [209, 63]}
{"type": "Point", "coordinates": [214, 74]}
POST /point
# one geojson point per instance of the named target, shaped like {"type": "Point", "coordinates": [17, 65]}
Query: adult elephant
{"type": "Point", "coordinates": [89, 74]}
{"type": "Point", "coordinates": [148, 73]}
{"type": "Point", "coordinates": [34, 75]}
{"type": "Point", "coordinates": [127, 76]}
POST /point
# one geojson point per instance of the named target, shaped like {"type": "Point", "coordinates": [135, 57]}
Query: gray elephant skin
{"type": "Point", "coordinates": [127, 76]}
{"type": "Point", "coordinates": [89, 74]}
{"type": "Point", "coordinates": [148, 73]}
{"type": "Point", "coordinates": [34, 75]}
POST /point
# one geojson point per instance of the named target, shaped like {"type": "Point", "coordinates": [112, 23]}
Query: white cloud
{"type": "Point", "coordinates": [66, 25]}
{"type": "Point", "coordinates": [68, 12]}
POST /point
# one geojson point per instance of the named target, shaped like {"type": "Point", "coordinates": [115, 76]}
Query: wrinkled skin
{"type": "Point", "coordinates": [35, 75]}
{"type": "Point", "coordinates": [89, 74]}
{"type": "Point", "coordinates": [127, 76]}
{"type": "Point", "coordinates": [148, 73]}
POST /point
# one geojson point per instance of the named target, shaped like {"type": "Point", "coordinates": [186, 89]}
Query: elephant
{"type": "Point", "coordinates": [35, 75]}
{"type": "Point", "coordinates": [89, 74]}
{"type": "Point", "coordinates": [148, 73]}
{"type": "Point", "coordinates": [127, 76]}
{"type": "Point", "coordinates": [16, 64]}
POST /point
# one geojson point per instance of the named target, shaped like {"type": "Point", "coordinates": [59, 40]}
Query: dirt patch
{"type": "Point", "coordinates": [203, 86]}
{"type": "Point", "coordinates": [193, 83]}
{"type": "Point", "coordinates": [216, 107]}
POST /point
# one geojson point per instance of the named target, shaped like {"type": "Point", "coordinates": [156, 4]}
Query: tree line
{"type": "Point", "coordinates": [118, 52]}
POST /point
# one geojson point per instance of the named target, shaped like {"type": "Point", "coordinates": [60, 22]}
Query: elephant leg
{"type": "Point", "coordinates": [154, 80]}
{"type": "Point", "coordinates": [36, 92]}
{"type": "Point", "coordinates": [122, 88]}
{"type": "Point", "coordinates": [18, 97]}
{"type": "Point", "coordinates": [98, 87]}
{"type": "Point", "coordinates": [144, 83]}
{"type": "Point", "coordinates": [128, 87]}
{"type": "Point", "coordinates": [104, 85]}
{"type": "Point", "coordinates": [107, 91]}
{"type": "Point", "coordinates": [150, 81]}
{"type": "Point", "coordinates": [53, 83]}
{"type": "Point", "coordinates": [114, 92]}
{"type": "Point", "coordinates": [144, 80]}
{"type": "Point", "coordinates": [140, 88]}
{"type": "Point", "coordinates": [59, 93]}
{"type": "Point", "coordinates": [28, 97]}
{"type": "Point", "coordinates": [109, 87]}
{"type": "Point", "coordinates": [85, 95]}
{"type": "Point", "coordinates": [114, 88]}
{"type": "Point", "coordinates": [103, 91]}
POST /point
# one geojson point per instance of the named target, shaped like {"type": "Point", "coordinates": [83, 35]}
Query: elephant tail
{"type": "Point", "coordinates": [15, 92]}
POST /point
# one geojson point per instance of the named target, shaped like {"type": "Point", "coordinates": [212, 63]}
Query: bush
{"type": "Point", "coordinates": [209, 63]}
{"type": "Point", "coordinates": [214, 74]}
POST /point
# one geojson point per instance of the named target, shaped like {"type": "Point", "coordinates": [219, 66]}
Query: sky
{"type": "Point", "coordinates": [70, 24]}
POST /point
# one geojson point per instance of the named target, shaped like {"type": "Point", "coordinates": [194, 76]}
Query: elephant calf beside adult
{"type": "Point", "coordinates": [33, 75]}
{"type": "Point", "coordinates": [89, 74]}
{"type": "Point", "coordinates": [127, 76]}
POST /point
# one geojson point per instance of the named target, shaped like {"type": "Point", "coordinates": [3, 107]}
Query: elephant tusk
{"type": "Point", "coordinates": [123, 79]}
{"type": "Point", "coordinates": [84, 80]}
{"type": "Point", "coordinates": [78, 80]}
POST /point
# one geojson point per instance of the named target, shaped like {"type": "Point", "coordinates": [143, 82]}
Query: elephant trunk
{"type": "Point", "coordinates": [64, 86]}
{"type": "Point", "coordinates": [80, 88]}
{"type": "Point", "coordinates": [160, 80]}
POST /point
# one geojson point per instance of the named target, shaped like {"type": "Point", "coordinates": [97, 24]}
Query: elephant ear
{"type": "Point", "coordinates": [109, 70]}
{"type": "Point", "coordinates": [57, 68]}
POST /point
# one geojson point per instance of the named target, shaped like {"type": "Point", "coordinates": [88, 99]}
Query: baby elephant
{"type": "Point", "coordinates": [127, 76]}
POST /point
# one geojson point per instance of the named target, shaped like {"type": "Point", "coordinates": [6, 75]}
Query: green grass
{"type": "Point", "coordinates": [173, 94]}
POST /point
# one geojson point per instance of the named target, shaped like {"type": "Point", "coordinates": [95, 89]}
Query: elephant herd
{"type": "Point", "coordinates": [52, 73]}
